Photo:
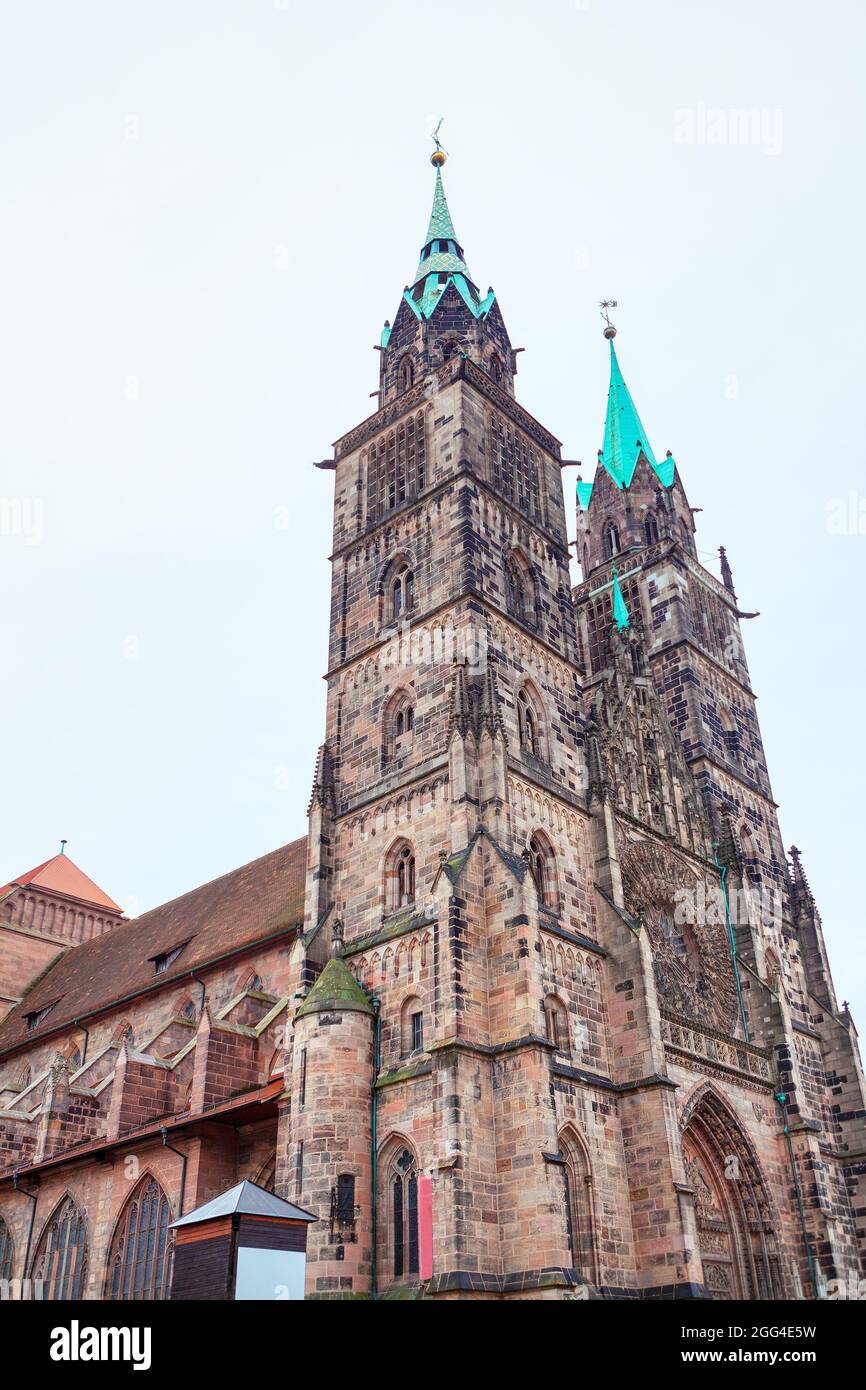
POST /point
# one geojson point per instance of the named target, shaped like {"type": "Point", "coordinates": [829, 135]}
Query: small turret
{"type": "Point", "coordinates": [332, 1137]}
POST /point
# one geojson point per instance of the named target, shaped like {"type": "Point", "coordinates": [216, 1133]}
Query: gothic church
{"type": "Point", "coordinates": [539, 1008]}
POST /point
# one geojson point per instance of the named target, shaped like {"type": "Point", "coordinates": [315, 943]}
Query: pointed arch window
{"type": "Point", "coordinates": [542, 865]}
{"type": "Point", "coordinates": [404, 1214]}
{"type": "Point", "coordinates": [529, 723]}
{"type": "Point", "coordinates": [407, 374]}
{"type": "Point", "coordinates": [399, 726]}
{"type": "Point", "coordinates": [401, 589]}
{"type": "Point", "coordinates": [519, 589]}
{"type": "Point", "coordinates": [7, 1251]}
{"type": "Point", "coordinates": [651, 530]}
{"type": "Point", "coordinates": [140, 1251]}
{"type": "Point", "coordinates": [61, 1259]}
{"type": "Point", "coordinates": [611, 540]}
{"type": "Point", "coordinates": [411, 1026]}
{"type": "Point", "coordinates": [577, 1182]}
{"type": "Point", "coordinates": [556, 1023]}
{"type": "Point", "coordinates": [400, 877]}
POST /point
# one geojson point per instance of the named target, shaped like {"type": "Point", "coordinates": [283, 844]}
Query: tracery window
{"type": "Point", "coordinates": [400, 876]}
{"type": "Point", "coordinates": [61, 1259]}
{"type": "Point", "coordinates": [396, 467]}
{"type": "Point", "coordinates": [515, 467]}
{"type": "Point", "coordinates": [404, 1214]}
{"type": "Point", "coordinates": [402, 591]}
{"type": "Point", "coordinates": [140, 1252]}
{"type": "Point", "coordinates": [651, 530]}
{"type": "Point", "coordinates": [407, 374]}
{"type": "Point", "coordinates": [611, 540]}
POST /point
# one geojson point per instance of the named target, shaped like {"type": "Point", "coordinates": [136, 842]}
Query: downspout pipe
{"type": "Point", "coordinates": [723, 869]}
{"type": "Point", "coordinates": [781, 1099]}
{"type": "Point", "coordinates": [374, 1100]}
{"type": "Point", "coordinates": [34, 1198]}
{"type": "Point", "coordinates": [202, 987]}
{"type": "Point", "coordinates": [183, 1159]}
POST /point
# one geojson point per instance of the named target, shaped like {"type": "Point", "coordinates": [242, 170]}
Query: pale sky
{"type": "Point", "coordinates": [207, 210]}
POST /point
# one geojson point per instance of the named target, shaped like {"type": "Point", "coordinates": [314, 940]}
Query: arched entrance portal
{"type": "Point", "coordinates": [736, 1231]}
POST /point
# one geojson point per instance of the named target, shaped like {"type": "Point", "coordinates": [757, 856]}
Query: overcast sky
{"type": "Point", "coordinates": [207, 210]}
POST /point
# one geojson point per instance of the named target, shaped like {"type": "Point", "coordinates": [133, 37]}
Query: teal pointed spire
{"type": "Point", "coordinates": [624, 435]}
{"type": "Point", "coordinates": [621, 615]}
{"type": "Point", "coordinates": [442, 262]}
{"type": "Point", "coordinates": [441, 251]}
{"type": "Point", "coordinates": [625, 438]}
{"type": "Point", "coordinates": [440, 216]}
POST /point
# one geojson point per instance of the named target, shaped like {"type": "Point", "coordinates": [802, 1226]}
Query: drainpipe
{"type": "Point", "coordinates": [183, 1158]}
{"type": "Point", "coordinates": [373, 1141]}
{"type": "Point", "coordinates": [782, 1102]}
{"type": "Point", "coordinates": [34, 1199]}
{"type": "Point", "coordinates": [724, 872]}
{"type": "Point", "coordinates": [195, 977]}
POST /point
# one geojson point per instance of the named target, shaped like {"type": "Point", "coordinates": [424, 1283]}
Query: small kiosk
{"type": "Point", "coordinates": [245, 1244]}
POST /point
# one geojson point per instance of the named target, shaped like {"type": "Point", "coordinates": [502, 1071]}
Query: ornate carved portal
{"type": "Point", "coordinates": [736, 1232]}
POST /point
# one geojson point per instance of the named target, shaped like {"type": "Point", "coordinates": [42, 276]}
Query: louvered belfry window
{"type": "Point", "coordinates": [515, 467]}
{"type": "Point", "coordinates": [396, 468]}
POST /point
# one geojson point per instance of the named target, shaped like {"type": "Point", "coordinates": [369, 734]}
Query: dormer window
{"type": "Point", "coordinates": [35, 1016]}
{"type": "Point", "coordinates": [162, 962]}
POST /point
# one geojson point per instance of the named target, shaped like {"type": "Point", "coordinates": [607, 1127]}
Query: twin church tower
{"type": "Point", "coordinates": [570, 1029]}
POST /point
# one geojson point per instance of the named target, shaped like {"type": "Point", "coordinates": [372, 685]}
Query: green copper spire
{"type": "Point", "coordinates": [440, 218]}
{"type": "Point", "coordinates": [625, 438]}
{"type": "Point", "coordinates": [621, 615]}
{"type": "Point", "coordinates": [624, 435]}
{"type": "Point", "coordinates": [442, 260]}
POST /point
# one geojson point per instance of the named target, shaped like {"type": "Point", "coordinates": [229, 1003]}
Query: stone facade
{"type": "Point", "coordinates": [540, 1008]}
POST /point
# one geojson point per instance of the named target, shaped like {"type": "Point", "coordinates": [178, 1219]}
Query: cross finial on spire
{"type": "Point", "coordinates": [606, 306]}
{"type": "Point", "coordinates": [439, 155]}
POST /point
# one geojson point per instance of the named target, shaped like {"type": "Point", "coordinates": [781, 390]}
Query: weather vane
{"type": "Point", "coordinates": [606, 306]}
{"type": "Point", "coordinates": [439, 155]}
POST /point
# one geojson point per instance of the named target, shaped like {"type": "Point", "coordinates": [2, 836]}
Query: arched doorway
{"type": "Point", "coordinates": [736, 1230]}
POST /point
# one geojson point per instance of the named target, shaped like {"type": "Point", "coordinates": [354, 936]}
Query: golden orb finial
{"type": "Point", "coordinates": [610, 331]}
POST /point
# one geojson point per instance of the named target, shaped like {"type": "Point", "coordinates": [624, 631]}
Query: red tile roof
{"type": "Point", "coordinates": [61, 875]}
{"type": "Point", "coordinates": [241, 908]}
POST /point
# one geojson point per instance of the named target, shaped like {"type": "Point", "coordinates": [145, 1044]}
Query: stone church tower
{"type": "Point", "coordinates": [568, 1028]}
